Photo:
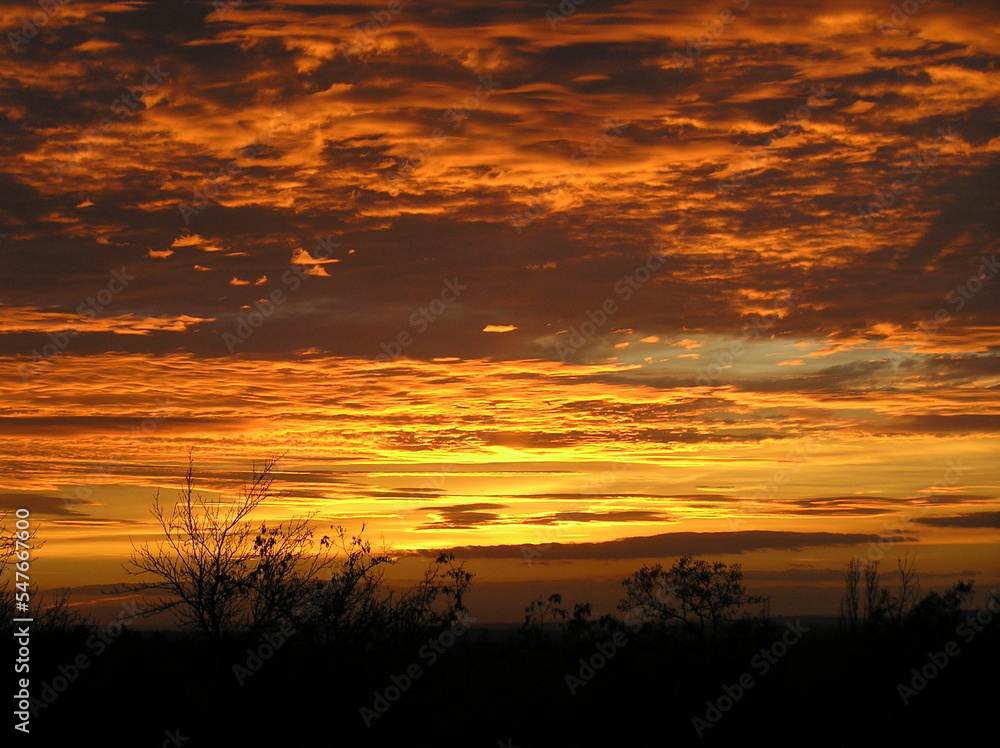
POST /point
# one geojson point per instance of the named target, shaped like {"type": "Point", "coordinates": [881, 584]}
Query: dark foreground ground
{"type": "Point", "coordinates": [491, 687]}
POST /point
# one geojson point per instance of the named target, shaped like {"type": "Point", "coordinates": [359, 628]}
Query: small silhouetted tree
{"type": "Point", "coordinates": [350, 601]}
{"type": "Point", "coordinates": [357, 607]}
{"type": "Point", "coordinates": [432, 603]}
{"type": "Point", "coordinates": [538, 613]}
{"type": "Point", "coordinates": [940, 612]}
{"type": "Point", "coordinates": [701, 596]}
{"type": "Point", "coordinates": [580, 624]}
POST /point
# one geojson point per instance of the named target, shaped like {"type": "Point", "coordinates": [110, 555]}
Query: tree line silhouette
{"type": "Point", "coordinates": [679, 634]}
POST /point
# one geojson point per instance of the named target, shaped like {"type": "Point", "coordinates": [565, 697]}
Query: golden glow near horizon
{"type": "Point", "coordinates": [500, 276]}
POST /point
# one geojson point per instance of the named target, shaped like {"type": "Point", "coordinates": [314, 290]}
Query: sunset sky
{"type": "Point", "coordinates": [620, 282]}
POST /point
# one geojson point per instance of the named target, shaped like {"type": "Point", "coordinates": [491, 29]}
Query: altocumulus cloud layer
{"type": "Point", "coordinates": [463, 256]}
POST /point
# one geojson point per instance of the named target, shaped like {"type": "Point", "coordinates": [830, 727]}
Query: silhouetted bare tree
{"type": "Point", "coordinates": [222, 574]}
{"type": "Point", "coordinates": [877, 600]}
{"type": "Point", "coordinates": [8, 599]}
{"type": "Point", "coordinates": [850, 605]}
{"type": "Point", "coordinates": [884, 610]}
{"type": "Point", "coordinates": [909, 586]}
{"type": "Point", "coordinates": [49, 616]}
